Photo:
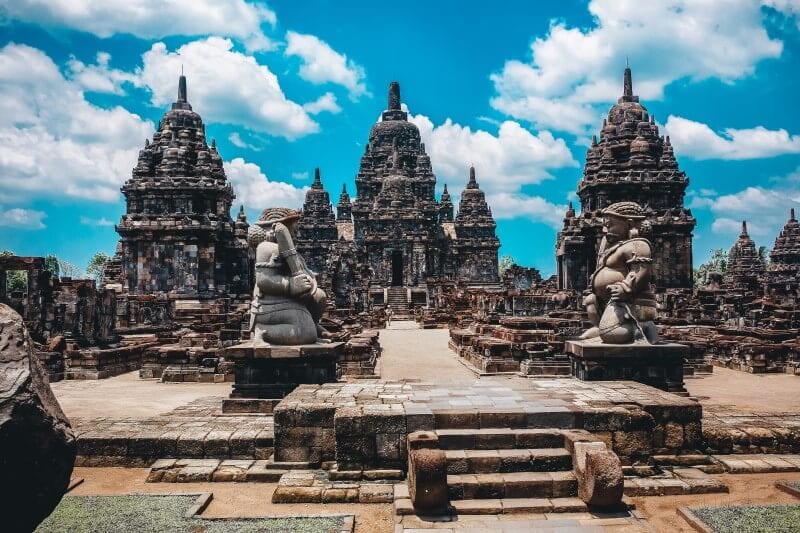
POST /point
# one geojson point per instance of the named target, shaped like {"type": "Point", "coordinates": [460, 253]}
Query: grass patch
{"type": "Point", "coordinates": [155, 513]}
{"type": "Point", "coordinates": [755, 518]}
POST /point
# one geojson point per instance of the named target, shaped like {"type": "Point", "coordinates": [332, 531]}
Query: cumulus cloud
{"type": "Point", "coordinates": [150, 19]}
{"type": "Point", "coordinates": [765, 210]}
{"type": "Point", "coordinates": [504, 163]}
{"type": "Point", "coordinates": [225, 86]}
{"type": "Point", "coordinates": [100, 77]}
{"type": "Point", "coordinates": [326, 102]}
{"type": "Point", "coordinates": [698, 140]}
{"type": "Point", "coordinates": [572, 72]}
{"type": "Point", "coordinates": [323, 64]}
{"type": "Point", "coordinates": [22, 218]}
{"type": "Point", "coordinates": [53, 142]}
{"type": "Point", "coordinates": [255, 190]}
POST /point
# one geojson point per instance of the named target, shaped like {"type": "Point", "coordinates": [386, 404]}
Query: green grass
{"type": "Point", "coordinates": [154, 513]}
{"type": "Point", "coordinates": [751, 519]}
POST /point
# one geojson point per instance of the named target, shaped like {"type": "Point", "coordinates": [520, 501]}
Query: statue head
{"type": "Point", "coordinates": [622, 220]}
{"type": "Point", "coordinates": [261, 230]}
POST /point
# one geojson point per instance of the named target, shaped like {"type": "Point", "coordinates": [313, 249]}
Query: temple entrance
{"type": "Point", "coordinates": [397, 268]}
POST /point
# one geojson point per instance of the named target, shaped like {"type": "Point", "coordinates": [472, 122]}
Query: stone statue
{"type": "Point", "coordinates": [621, 304]}
{"type": "Point", "coordinates": [287, 304]}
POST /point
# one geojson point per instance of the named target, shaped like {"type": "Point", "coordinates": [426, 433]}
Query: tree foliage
{"type": "Point", "coordinates": [16, 280]}
{"type": "Point", "coordinates": [718, 262]}
{"type": "Point", "coordinates": [504, 264]}
{"type": "Point", "coordinates": [97, 265]}
{"type": "Point", "coordinates": [52, 264]}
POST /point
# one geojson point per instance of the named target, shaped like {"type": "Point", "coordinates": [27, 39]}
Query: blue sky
{"type": "Point", "coordinates": [515, 88]}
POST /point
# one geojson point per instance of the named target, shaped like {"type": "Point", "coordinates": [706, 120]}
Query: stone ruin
{"type": "Point", "coordinates": [396, 245]}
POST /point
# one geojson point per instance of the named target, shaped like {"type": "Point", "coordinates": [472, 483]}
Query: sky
{"type": "Point", "coordinates": [515, 88]}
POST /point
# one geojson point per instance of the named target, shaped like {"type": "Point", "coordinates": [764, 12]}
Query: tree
{"type": "Point", "coordinates": [97, 265]}
{"type": "Point", "coordinates": [763, 254]}
{"type": "Point", "coordinates": [51, 262]}
{"type": "Point", "coordinates": [718, 262]}
{"type": "Point", "coordinates": [504, 264]}
{"type": "Point", "coordinates": [16, 280]}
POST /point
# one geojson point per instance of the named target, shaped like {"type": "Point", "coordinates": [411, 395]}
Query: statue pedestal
{"type": "Point", "coordinates": [658, 365]}
{"type": "Point", "coordinates": [266, 374]}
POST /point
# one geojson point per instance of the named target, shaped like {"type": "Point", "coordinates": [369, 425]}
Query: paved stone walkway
{"type": "Point", "coordinates": [410, 352]}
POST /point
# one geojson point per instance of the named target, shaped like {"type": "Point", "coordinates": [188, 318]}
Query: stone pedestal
{"type": "Point", "coordinates": [266, 374]}
{"type": "Point", "coordinates": [658, 365]}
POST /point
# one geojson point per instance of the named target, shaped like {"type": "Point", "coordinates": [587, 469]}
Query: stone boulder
{"type": "Point", "coordinates": [37, 446]}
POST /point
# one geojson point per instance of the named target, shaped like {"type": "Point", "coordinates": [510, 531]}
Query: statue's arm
{"type": "Point", "coordinates": [269, 280]}
{"type": "Point", "coordinates": [639, 260]}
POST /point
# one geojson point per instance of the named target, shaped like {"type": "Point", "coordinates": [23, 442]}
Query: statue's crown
{"type": "Point", "coordinates": [628, 210]}
{"type": "Point", "coordinates": [271, 215]}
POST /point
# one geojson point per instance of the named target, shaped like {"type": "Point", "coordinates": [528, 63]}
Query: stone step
{"type": "Point", "coordinates": [519, 506]}
{"type": "Point", "coordinates": [508, 460]}
{"type": "Point", "coordinates": [499, 438]}
{"type": "Point", "coordinates": [512, 485]}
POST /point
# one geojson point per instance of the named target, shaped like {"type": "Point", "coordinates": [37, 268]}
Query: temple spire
{"type": "Point", "coordinates": [627, 85]}
{"type": "Point", "coordinates": [791, 213]}
{"type": "Point", "coordinates": [182, 88]}
{"type": "Point", "coordinates": [317, 180]}
{"type": "Point", "coordinates": [744, 228]}
{"type": "Point", "coordinates": [394, 96]}
{"type": "Point", "coordinates": [472, 184]}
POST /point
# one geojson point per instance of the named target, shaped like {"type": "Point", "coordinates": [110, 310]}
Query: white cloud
{"type": "Point", "coordinates": [100, 77]}
{"type": "Point", "coordinates": [698, 140]}
{"type": "Point", "coordinates": [225, 86]}
{"type": "Point", "coordinates": [323, 64]}
{"type": "Point", "coordinates": [102, 221]}
{"type": "Point", "coordinates": [300, 176]}
{"type": "Point", "coordinates": [574, 73]}
{"type": "Point", "coordinates": [503, 162]}
{"type": "Point", "coordinates": [22, 218]}
{"type": "Point", "coordinates": [326, 102]}
{"type": "Point", "coordinates": [237, 141]}
{"type": "Point", "coordinates": [507, 205]}
{"type": "Point", "coordinates": [150, 19]}
{"type": "Point", "coordinates": [55, 143]}
{"type": "Point", "coordinates": [255, 190]}
{"type": "Point", "coordinates": [765, 210]}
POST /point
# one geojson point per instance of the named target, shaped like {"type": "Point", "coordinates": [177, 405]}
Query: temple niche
{"type": "Point", "coordinates": [395, 242]}
{"type": "Point", "coordinates": [629, 162]}
{"type": "Point", "coordinates": [177, 236]}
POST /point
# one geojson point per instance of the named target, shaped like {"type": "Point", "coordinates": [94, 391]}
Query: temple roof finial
{"type": "Point", "coordinates": [445, 190]}
{"type": "Point", "coordinates": [791, 213]}
{"type": "Point", "coordinates": [744, 228]}
{"type": "Point", "coordinates": [182, 87]}
{"type": "Point", "coordinates": [627, 84]}
{"type": "Point", "coordinates": [472, 184]}
{"type": "Point", "coordinates": [394, 96]}
{"type": "Point", "coordinates": [344, 188]}
{"type": "Point", "coordinates": [317, 179]}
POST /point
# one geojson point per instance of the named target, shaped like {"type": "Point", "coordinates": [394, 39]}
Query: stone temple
{"type": "Point", "coordinates": [401, 242]}
{"type": "Point", "coordinates": [177, 235]}
{"type": "Point", "coordinates": [630, 162]}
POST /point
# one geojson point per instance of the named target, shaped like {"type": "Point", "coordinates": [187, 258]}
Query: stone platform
{"type": "Point", "coordinates": [659, 365]}
{"type": "Point", "coordinates": [364, 425]}
{"type": "Point", "coordinates": [265, 374]}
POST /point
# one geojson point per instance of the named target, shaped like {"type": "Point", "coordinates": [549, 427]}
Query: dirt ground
{"type": "Point", "coordinates": [410, 352]}
{"type": "Point", "coordinates": [230, 499]}
{"type": "Point", "coordinates": [745, 489]}
{"type": "Point", "coordinates": [747, 392]}
{"type": "Point", "coordinates": [127, 395]}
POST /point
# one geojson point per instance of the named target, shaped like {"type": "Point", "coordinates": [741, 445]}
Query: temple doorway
{"type": "Point", "coordinates": [397, 268]}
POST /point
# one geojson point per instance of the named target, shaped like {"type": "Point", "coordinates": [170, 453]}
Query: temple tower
{"type": "Point", "coordinates": [745, 268]}
{"type": "Point", "coordinates": [629, 162]}
{"type": "Point", "coordinates": [783, 274]}
{"type": "Point", "coordinates": [177, 235]}
{"type": "Point", "coordinates": [476, 244]}
{"type": "Point", "coordinates": [316, 230]}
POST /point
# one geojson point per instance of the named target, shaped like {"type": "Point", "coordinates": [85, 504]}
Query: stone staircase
{"type": "Point", "coordinates": [503, 470]}
{"type": "Point", "coordinates": [397, 300]}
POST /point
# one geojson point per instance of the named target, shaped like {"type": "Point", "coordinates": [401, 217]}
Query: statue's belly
{"type": "Point", "coordinates": [603, 278]}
